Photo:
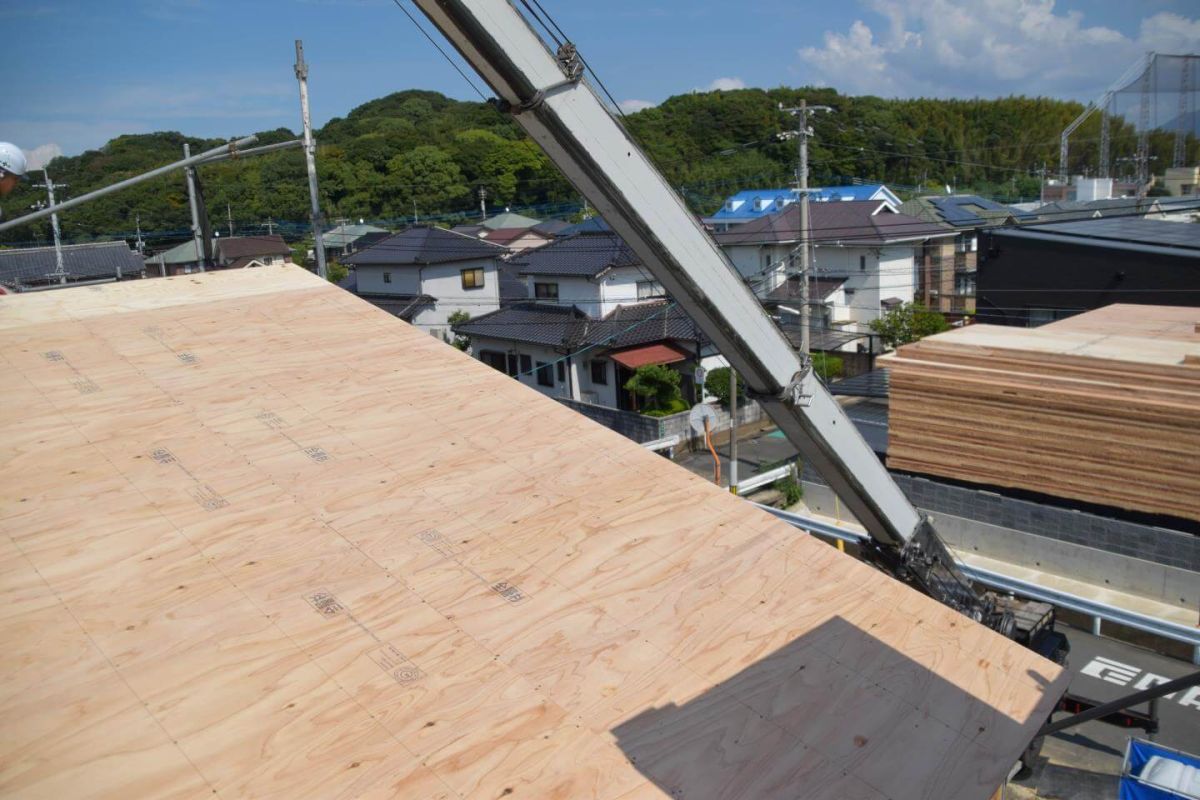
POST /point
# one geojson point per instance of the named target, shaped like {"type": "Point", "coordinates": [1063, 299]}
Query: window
{"type": "Point", "coordinates": [600, 372]}
{"type": "Point", "coordinates": [545, 291]}
{"type": "Point", "coordinates": [562, 372]}
{"type": "Point", "coordinates": [493, 359]}
{"type": "Point", "coordinates": [545, 375]}
{"type": "Point", "coordinates": [862, 263]}
{"type": "Point", "coordinates": [513, 367]}
{"type": "Point", "coordinates": [387, 277]}
{"type": "Point", "coordinates": [471, 278]}
{"type": "Point", "coordinates": [647, 290]}
{"type": "Point", "coordinates": [526, 364]}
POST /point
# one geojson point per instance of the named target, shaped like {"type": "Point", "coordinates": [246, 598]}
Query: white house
{"type": "Point", "coordinates": [426, 274]}
{"type": "Point", "coordinates": [866, 257]}
{"type": "Point", "coordinates": [595, 271]}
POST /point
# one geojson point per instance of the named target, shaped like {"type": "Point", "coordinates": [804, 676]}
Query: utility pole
{"type": "Point", "coordinates": [803, 131]}
{"type": "Point", "coordinates": [1179, 157]}
{"type": "Point", "coordinates": [141, 247]}
{"type": "Point", "coordinates": [310, 159]}
{"type": "Point", "coordinates": [191, 187]}
{"type": "Point", "coordinates": [229, 218]}
{"type": "Point", "coordinates": [270, 226]}
{"type": "Point", "coordinates": [733, 430]}
{"type": "Point", "coordinates": [482, 204]}
{"type": "Point", "coordinates": [49, 185]}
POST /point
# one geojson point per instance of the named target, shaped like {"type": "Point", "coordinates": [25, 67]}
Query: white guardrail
{"type": "Point", "coordinates": [1057, 597]}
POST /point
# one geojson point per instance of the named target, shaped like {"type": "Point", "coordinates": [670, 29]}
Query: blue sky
{"type": "Point", "coordinates": [80, 73]}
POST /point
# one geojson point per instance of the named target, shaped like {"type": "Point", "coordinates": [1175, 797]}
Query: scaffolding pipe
{"type": "Point", "coordinates": [125, 184]}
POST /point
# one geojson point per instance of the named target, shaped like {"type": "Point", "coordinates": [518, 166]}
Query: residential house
{"type": "Point", "coordinates": [552, 228]}
{"type": "Point", "coordinates": [426, 274]}
{"type": "Point", "coordinates": [517, 239]}
{"type": "Point", "coordinates": [27, 268]}
{"type": "Point", "coordinates": [946, 280]}
{"type": "Point", "coordinates": [347, 238]}
{"type": "Point", "coordinates": [564, 352]}
{"type": "Point", "coordinates": [866, 257]}
{"type": "Point", "coordinates": [1070, 210]}
{"type": "Point", "coordinates": [509, 219]}
{"type": "Point", "coordinates": [1182, 181]}
{"type": "Point", "coordinates": [1036, 274]}
{"type": "Point", "coordinates": [752, 204]}
{"type": "Point", "coordinates": [595, 272]}
{"type": "Point", "coordinates": [181, 259]}
{"type": "Point", "coordinates": [240, 252]}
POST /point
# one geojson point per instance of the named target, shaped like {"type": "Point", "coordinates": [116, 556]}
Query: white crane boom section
{"type": "Point", "coordinates": [596, 154]}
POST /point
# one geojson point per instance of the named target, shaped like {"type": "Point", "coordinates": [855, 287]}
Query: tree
{"type": "Point", "coordinates": [828, 366]}
{"type": "Point", "coordinates": [426, 175]}
{"type": "Point", "coordinates": [658, 385]}
{"type": "Point", "coordinates": [716, 383]}
{"type": "Point", "coordinates": [908, 323]}
{"type": "Point", "coordinates": [457, 318]}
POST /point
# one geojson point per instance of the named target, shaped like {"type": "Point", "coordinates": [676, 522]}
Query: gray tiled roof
{"type": "Point", "coordinates": [404, 306]}
{"type": "Point", "coordinates": [852, 222]}
{"type": "Point", "coordinates": [93, 261]}
{"type": "Point", "coordinates": [569, 328]}
{"type": "Point", "coordinates": [424, 245]}
{"type": "Point", "coordinates": [790, 290]}
{"type": "Point", "coordinates": [588, 255]}
{"type": "Point", "coordinates": [535, 323]}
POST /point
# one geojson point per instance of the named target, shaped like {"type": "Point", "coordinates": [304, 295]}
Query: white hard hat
{"type": "Point", "coordinates": [12, 160]}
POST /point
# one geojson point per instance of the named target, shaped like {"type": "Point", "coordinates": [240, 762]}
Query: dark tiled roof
{"type": "Point", "coordinates": [589, 225]}
{"type": "Point", "coordinates": [29, 265]}
{"type": "Point", "coordinates": [535, 323]}
{"type": "Point", "coordinates": [469, 230]}
{"type": "Point", "coordinates": [551, 227]}
{"type": "Point", "coordinates": [963, 211]}
{"type": "Point", "coordinates": [588, 255]}
{"type": "Point", "coordinates": [641, 323]}
{"type": "Point", "coordinates": [231, 249]}
{"type": "Point", "coordinates": [569, 328]}
{"type": "Point", "coordinates": [853, 222]}
{"type": "Point", "coordinates": [1127, 230]}
{"type": "Point", "coordinates": [404, 306]}
{"type": "Point", "coordinates": [424, 245]}
{"type": "Point", "coordinates": [513, 288]}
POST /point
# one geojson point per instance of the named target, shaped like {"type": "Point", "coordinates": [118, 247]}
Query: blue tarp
{"type": "Point", "coordinates": [1138, 754]}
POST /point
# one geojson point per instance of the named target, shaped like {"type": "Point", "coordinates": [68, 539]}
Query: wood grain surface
{"type": "Point", "coordinates": [263, 540]}
{"type": "Point", "coordinates": [1103, 407]}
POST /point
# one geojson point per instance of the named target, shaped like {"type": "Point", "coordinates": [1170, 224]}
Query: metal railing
{"type": "Point", "coordinates": [1083, 605]}
{"type": "Point", "coordinates": [764, 479]}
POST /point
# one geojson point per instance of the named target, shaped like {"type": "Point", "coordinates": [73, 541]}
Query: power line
{"type": "Point", "coordinates": [449, 60]}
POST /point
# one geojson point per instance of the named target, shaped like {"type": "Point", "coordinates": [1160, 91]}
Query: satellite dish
{"type": "Point", "coordinates": [700, 413]}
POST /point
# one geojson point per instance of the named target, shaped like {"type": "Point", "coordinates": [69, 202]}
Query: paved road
{"type": "Point", "coordinates": [1082, 763]}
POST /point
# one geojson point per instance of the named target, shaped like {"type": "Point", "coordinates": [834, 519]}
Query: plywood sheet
{"type": "Point", "coordinates": [261, 539]}
{"type": "Point", "coordinates": [1103, 407]}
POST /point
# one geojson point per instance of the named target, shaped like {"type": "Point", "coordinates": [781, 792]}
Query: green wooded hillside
{"type": "Point", "coordinates": [420, 152]}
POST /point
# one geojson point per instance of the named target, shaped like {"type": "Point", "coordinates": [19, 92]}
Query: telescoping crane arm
{"type": "Point", "coordinates": [550, 100]}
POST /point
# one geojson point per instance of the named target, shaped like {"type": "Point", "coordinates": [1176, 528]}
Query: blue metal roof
{"type": "Point", "coordinates": [755, 203]}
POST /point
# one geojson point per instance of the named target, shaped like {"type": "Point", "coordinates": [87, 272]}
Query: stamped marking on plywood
{"type": "Point", "coordinates": [439, 543]}
{"type": "Point", "coordinates": [396, 664]}
{"type": "Point", "coordinates": [325, 603]}
{"type": "Point", "coordinates": [205, 496]}
{"type": "Point", "coordinates": [511, 593]}
{"type": "Point", "coordinates": [159, 335]}
{"type": "Point", "coordinates": [82, 383]}
{"type": "Point", "coordinates": [276, 423]}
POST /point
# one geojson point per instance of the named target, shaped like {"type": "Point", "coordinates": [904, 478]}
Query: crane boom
{"type": "Point", "coordinates": [549, 98]}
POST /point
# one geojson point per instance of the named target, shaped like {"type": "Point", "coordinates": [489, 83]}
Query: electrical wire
{"type": "Point", "coordinates": [449, 60]}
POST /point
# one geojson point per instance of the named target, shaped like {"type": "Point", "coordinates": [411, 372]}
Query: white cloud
{"type": "Point", "coordinates": [42, 155]}
{"type": "Point", "coordinates": [985, 48]}
{"type": "Point", "coordinates": [725, 85]}
{"type": "Point", "coordinates": [630, 106]}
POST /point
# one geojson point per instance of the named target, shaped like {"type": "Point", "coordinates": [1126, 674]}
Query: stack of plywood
{"type": "Point", "coordinates": [1103, 407]}
{"type": "Point", "coordinates": [262, 539]}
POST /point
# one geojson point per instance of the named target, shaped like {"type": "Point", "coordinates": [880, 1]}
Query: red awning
{"type": "Point", "coordinates": [650, 354]}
